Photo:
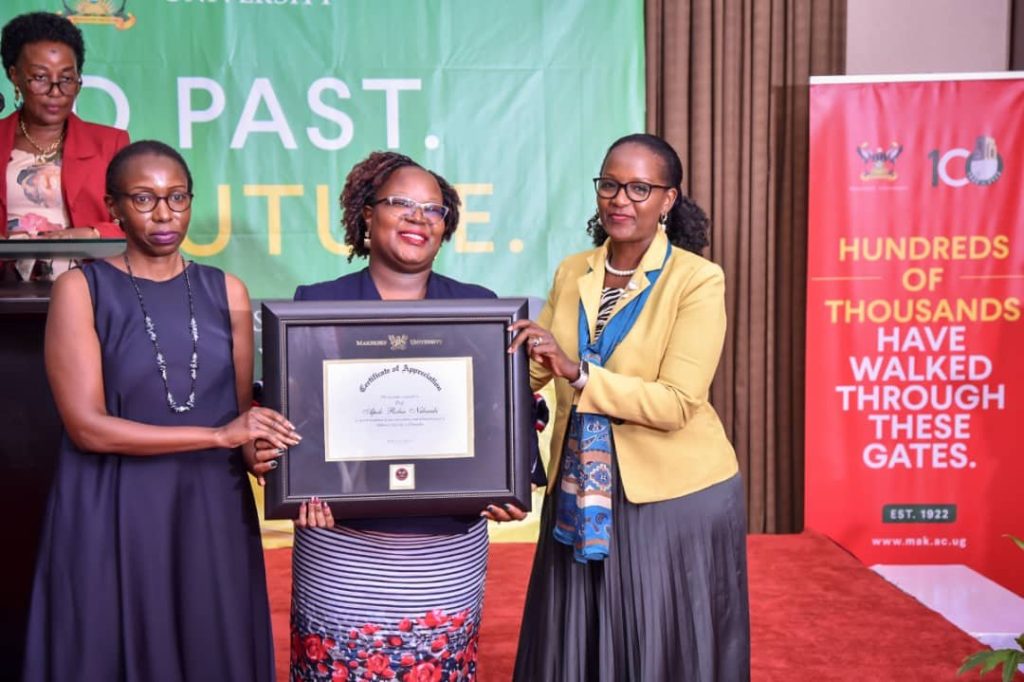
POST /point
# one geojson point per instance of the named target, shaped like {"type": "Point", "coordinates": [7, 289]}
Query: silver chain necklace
{"type": "Point", "coordinates": [161, 364]}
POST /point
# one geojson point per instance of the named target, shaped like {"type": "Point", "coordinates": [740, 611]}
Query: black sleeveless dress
{"type": "Point", "coordinates": [150, 568]}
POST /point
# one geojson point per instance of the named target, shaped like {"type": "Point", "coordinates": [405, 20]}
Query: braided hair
{"type": "Point", "coordinates": [360, 191]}
{"type": "Point", "coordinates": [687, 225]}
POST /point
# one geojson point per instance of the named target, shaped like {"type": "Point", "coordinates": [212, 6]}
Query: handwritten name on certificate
{"type": "Point", "coordinates": [413, 408]}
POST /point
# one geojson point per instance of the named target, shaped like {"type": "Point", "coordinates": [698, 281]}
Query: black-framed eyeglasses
{"type": "Point", "coordinates": [607, 188]}
{"type": "Point", "coordinates": [42, 85]}
{"type": "Point", "coordinates": [433, 213]}
{"type": "Point", "coordinates": [146, 202]}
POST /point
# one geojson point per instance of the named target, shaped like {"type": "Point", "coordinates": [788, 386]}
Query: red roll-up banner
{"type": "Point", "coordinates": [915, 343]}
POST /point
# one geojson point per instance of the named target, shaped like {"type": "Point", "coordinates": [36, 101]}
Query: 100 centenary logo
{"type": "Point", "coordinates": [982, 166]}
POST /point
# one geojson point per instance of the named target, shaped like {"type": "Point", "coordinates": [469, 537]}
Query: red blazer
{"type": "Point", "coordinates": [88, 148]}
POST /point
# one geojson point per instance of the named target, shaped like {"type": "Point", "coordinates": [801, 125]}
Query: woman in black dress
{"type": "Point", "coordinates": [150, 566]}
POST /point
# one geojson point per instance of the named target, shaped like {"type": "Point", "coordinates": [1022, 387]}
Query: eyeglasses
{"type": "Point", "coordinates": [635, 191]}
{"type": "Point", "coordinates": [432, 213]}
{"type": "Point", "coordinates": [42, 85]}
{"type": "Point", "coordinates": [146, 202]}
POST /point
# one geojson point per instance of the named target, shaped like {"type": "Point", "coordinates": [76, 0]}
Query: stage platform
{"type": "Point", "coordinates": [816, 614]}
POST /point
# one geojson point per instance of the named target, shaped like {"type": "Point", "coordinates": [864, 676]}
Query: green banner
{"type": "Point", "coordinates": [273, 101]}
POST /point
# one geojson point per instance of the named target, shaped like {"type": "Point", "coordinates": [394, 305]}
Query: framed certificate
{"type": "Point", "coordinates": [406, 408]}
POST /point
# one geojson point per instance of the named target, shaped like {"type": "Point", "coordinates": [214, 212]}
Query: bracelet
{"type": "Point", "coordinates": [584, 376]}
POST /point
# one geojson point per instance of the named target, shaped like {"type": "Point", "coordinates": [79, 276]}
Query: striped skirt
{"type": "Point", "coordinates": [383, 606]}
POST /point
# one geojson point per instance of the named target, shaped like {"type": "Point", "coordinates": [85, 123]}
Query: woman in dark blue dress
{"type": "Point", "coordinates": [150, 566]}
{"type": "Point", "coordinates": [392, 598]}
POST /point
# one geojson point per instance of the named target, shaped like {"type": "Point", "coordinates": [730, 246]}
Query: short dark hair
{"type": "Point", "coordinates": [687, 225]}
{"type": "Point", "coordinates": [361, 186]}
{"type": "Point", "coordinates": [115, 171]}
{"type": "Point", "coordinates": [35, 27]}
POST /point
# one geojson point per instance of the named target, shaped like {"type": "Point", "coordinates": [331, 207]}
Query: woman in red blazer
{"type": "Point", "coordinates": [51, 186]}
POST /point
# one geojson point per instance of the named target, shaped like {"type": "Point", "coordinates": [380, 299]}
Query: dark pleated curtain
{"type": "Point", "coordinates": [727, 86]}
{"type": "Point", "coordinates": [1017, 35]}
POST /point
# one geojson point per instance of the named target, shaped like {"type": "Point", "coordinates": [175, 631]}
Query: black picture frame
{"type": "Point", "coordinates": [299, 336]}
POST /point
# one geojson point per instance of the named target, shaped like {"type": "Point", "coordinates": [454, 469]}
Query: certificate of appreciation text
{"type": "Point", "coordinates": [413, 408]}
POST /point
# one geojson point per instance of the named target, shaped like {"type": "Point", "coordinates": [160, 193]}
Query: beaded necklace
{"type": "Point", "coordinates": [161, 364]}
{"type": "Point", "coordinates": [618, 273]}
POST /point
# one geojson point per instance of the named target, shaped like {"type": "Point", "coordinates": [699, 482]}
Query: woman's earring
{"type": "Point", "coordinates": [17, 95]}
{"type": "Point", "coordinates": [662, 221]}
{"type": "Point", "coordinates": [366, 240]}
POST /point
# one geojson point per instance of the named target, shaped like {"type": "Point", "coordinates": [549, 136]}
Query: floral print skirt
{"type": "Point", "coordinates": [385, 606]}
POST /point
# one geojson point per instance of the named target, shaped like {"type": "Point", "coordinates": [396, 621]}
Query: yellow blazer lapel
{"type": "Point", "coordinates": [590, 284]}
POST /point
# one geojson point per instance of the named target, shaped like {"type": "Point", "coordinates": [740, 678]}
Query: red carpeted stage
{"type": "Point", "coordinates": [816, 614]}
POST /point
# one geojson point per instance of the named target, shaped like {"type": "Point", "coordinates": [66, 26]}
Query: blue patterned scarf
{"type": "Point", "coordinates": [583, 518]}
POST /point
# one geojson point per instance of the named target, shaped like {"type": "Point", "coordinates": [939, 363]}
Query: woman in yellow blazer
{"type": "Point", "coordinates": [640, 572]}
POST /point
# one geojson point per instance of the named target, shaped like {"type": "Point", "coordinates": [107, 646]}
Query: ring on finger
{"type": "Point", "coordinates": [537, 341]}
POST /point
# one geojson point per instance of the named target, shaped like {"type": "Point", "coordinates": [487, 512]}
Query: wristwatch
{"type": "Point", "coordinates": [581, 380]}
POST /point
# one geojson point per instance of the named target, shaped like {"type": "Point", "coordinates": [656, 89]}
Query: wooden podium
{"type": "Point", "coordinates": [31, 431]}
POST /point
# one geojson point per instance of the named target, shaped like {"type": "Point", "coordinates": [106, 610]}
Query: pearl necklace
{"type": "Point", "coordinates": [617, 273]}
{"type": "Point", "coordinates": [45, 154]}
{"type": "Point", "coordinates": [161, 364]}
